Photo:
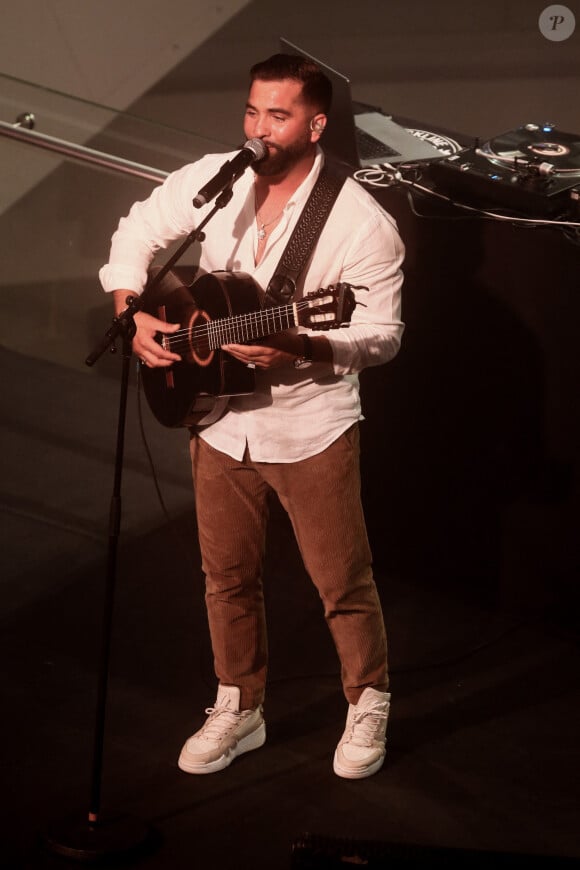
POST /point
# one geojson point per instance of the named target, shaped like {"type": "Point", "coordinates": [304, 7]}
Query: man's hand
{"type": "Point", "coordinates": [274, 352]}
{"type": "Point", "coordinates": [149, 351]}
{"type": "Point", "coordinates": [280, 350]}
{"type": "Point", "coordinates": [145, 347]}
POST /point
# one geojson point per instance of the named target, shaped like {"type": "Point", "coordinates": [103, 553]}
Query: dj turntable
{"type": "Point", "coordinates": [533, 170]}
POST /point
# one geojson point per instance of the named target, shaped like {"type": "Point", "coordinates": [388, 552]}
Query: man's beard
{"type": "Point", "coordinates": [283, 158]}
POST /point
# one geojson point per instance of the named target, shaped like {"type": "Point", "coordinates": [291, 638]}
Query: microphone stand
{"type": "Point", "coordinates": [92, 837]}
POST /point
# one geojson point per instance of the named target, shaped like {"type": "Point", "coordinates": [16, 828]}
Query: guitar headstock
{"type": "Point", "coordinates": [328, 308]}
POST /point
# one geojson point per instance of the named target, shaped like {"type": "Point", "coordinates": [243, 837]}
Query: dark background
{"type": "Point", "coordinates": [470, 481]}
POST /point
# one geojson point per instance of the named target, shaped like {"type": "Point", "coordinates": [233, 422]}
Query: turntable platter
{"type": "Point", "coordinates": [534, 144]}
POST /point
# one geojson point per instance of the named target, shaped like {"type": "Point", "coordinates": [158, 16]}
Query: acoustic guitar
{"type": "Point", "coordinates": [222, 308]}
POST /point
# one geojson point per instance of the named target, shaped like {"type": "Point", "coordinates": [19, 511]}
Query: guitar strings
{"type": "Point", "coordinates": [249, 316]}
{"type": "Point", "coordinates": [230, 327]}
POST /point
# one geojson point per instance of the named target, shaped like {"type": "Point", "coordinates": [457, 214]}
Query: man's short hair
{"type": "Point", "coordinates": [316, 87]}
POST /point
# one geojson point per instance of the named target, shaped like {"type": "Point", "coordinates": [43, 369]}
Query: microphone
{"type": "Point", "coordinates": [253, 150]}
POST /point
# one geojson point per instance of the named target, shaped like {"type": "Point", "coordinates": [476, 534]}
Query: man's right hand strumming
{"type": "Point", "coordinates": [149, 351]}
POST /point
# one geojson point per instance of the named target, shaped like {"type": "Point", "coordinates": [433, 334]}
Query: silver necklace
{"type": "Point", "coordinates": [262, 226]}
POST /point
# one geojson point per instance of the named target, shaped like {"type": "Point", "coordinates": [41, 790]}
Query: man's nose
{"type": "Point", "coordinates": [261, 126]}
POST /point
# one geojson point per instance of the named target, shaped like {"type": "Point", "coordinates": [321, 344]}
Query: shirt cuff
{"type": "Point", "coordinates": [122, 278]}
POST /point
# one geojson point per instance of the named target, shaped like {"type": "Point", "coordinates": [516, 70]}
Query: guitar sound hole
{"type": "Point", "coordinates": [199, 346]}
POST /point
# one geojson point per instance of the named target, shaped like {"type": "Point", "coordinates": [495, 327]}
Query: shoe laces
{"type": "Point", "coordinates": [220, 722]}
{"type": "Point", "coordinates": [365, 726]}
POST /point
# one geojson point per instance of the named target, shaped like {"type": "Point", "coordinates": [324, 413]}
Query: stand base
{"type": "Point", "coordinates": [117, 838]}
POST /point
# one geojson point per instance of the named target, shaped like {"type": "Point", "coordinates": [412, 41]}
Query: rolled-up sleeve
{"type": "Point", "coordinates": [152, 225]}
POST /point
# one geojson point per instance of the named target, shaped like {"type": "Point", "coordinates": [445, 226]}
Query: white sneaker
{"type": "Point", "coordinates": [361, 749]}
{"type": "Point", "coordinates": [228, 732]}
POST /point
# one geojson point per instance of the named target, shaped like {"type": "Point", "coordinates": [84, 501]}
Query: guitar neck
{"type": "Point", "coordinates": [242, 328]}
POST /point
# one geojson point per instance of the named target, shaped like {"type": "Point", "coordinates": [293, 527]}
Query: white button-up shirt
{"type": "Point", "coordinates": [292, 414]}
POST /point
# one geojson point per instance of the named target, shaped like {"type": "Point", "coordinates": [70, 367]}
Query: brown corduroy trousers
{"type": "Point", "coordinates": [321, 495]}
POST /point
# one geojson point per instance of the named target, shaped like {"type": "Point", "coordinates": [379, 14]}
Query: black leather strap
{"type": "Point", "coordinates": [306, 233]}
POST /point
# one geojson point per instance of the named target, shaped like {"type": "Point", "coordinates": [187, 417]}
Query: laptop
{"type": "Point", "coordinates": [361, 135]}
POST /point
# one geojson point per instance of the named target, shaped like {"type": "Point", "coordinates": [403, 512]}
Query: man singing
{"type": "Point", "coordinates": [297, 434]}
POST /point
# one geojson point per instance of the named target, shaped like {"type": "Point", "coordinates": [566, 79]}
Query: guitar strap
{"type": "Point", "coordinates": [301, 243]}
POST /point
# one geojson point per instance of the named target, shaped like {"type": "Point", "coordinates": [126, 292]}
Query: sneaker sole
{"type": "Point", "coordinates": [251, 741]}
{"type": "Point", "coordinates": [361, 773]}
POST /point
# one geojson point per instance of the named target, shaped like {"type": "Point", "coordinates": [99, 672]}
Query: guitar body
{"type": "Point", "coordinates": [194, 391]}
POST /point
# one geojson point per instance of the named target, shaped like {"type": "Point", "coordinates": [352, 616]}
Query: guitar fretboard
{"type": "Point", "coordinates": [212, 334]}
{"type": "Point", "coordinates": [246, 327]}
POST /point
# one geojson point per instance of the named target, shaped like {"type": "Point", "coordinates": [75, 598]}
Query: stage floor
{"type": "Point", "coordinates": [483, 736]}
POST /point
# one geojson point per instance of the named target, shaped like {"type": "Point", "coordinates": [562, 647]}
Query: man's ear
{"type": "Point", "coordinates": [317, 125]}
